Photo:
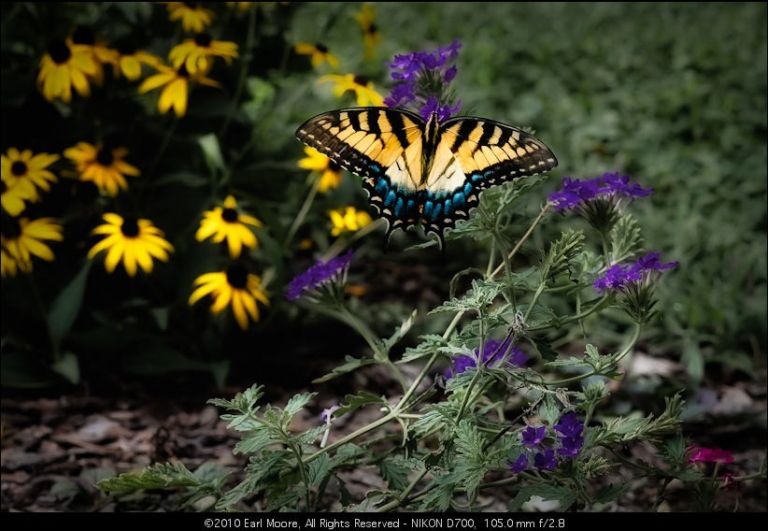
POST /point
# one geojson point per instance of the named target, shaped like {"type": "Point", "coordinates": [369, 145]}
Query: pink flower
{"type": "Point", "coordinates": [699, 454]}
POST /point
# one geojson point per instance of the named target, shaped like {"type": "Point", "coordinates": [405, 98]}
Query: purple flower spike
{"type": "Point", "coordinates": [519, 464]}
{"type": "Point", "coordinates": [401, 95]}
{"type": "Point", "coordinates": [317, 275]}
{"type": "Point", "coordinates": [443, 111]}
{"type": "Point", "coordinates": [570, 446]}
{"type": "Point", "coordinates": [618, 276]}
{"type": "Point", "coordinates": [569, 425]}
{"type": "Point", "coordinates": [576, 192]}
{"type": "Point", "coordinates": [532, 436]}
{"type": "Point", "coordinates": [545, 460]}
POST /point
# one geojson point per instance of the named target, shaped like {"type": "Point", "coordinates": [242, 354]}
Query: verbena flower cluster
{"type": "Point", "coordinates": [576, 192]}
{"type": "Point", "coordinates": [422, 81]}
{"type": "Point", "coordinates": [493, 352]}
{"type": "Point", "coordinates": [568, 440]}
{"type": "Point", "coordinates": [619, 276]}
{"type": "Point", "coordinates": [317, 275]}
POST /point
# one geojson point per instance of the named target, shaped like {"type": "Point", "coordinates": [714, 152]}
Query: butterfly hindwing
{"type": "Point", "coordinates": [381, 145]}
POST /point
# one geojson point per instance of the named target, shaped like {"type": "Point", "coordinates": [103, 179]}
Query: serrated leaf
{"type": "Point", "coordinates": [564, 495]}
{"type": "Point", "coordinates": [626, 238]}
{"type": "Point", "coordinates": [158, 476]}
{"type": "Point", "coordinates": [294, 405]}
{"type": "Point", "coordinates": [358, 400]}
{"type": "Point", "coordinates": [429, 344]}
{"type": "Point", "coordinates": [395, 471]}
{"type": "Point", "coordinates": [482, 294]}
{"type": "Point", "coordinates": [471, 461]}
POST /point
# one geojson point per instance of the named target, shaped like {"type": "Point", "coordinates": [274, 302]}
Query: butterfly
{"type": "Point", "coordinates": [424, 172]}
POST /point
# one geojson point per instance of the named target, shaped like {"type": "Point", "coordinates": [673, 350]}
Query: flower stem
{"type": "Point", "coordinates": [164, 143]}
{"type": "Point", "coordinates": [522, 240]}
{"type": "Point", "coordinates": [302, 214]}
{"type": "Point", "coordinates": [339, 245]}
{"type": "Point", "coordinates": [394, 504]}
{"type": "Point", "coordinates": [245, 59]}
{"type": "Point", "coordinates": [303, 472]}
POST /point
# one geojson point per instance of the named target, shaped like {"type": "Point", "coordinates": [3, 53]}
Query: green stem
{"type": "Point", "coordinates": [244, 61]}
{"type": "Point", "coordinates": [302, 214]}
{"type": "Point", "coordinates": [164, 143]}
{"type": "Point", "coordinates": [534, 300]}
{"type": "Point", "coordinates": [597, 306]}
{"type": "Point", "coordinates": [303, 472]}
{"type": "Point", "coordinates": [394, 504]}
{"type": "Point", "coordinates": [351, 437]}
{"type": "Point", "coordinates": [339, 245]}
{"type": "Point", "coordinates": [522, 240]}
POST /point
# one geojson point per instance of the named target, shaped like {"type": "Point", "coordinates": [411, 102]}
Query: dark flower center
{"type": "Point", "coordinates": [10, 228]}
{"type": "Point", "coordinates": [18, 168]}
{"type": "Point", "coordinates": [237, 276]}
{"type": "Point", "coordinates": [3, 187]}
{"type": "Point", "coordinates": [333, 166]}
{"type": "Point", "coordinates": [126, 48]}
{"type": "Point", "coordinates": [105, 157]}
{"type": "Point", "coordinates": [373, 28]}
{"type": "Point", "coordinates": [182, 71]}
{"type": "Point", "coordinates": [84, 35]}
{"type": "Point", "coordinates": [59, 52]}
{"type": "Point", "coordinates": [322, 48]}
{"type": "Point", "coordinates": [192, 5]}
{"type": "Point", "coordinates": [361, 80]}
{"type": "Point", "coordinates": [229, 215]}
{"type": "Point", "coordinates": [130, 227]}
{"type": "Point", "coordinates": [203, 39]}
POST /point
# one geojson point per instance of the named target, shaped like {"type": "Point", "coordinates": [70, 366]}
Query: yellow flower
{"type": "Point", "coordinates": [128, 61]}
{"type": "Point", "coordinates": [193, 16]}
{"type": "Point", "coordinates": [8, 265]}
{"type": "Point", "coordinates": [23, 173]}
{"type": "Point", "coordinates": [330, 172]}
{"type": "Point", "coordinates": [348, 219]}
{"type": "Point", "coordinates": [85, 37]}
{"type": "Point", "coordinates": [64, 66]}
{"type": "Point", "coordinates": [176, 92]}
{"type": "Point", "coordinates": [241, 7]}
{"type": "Point", "coordinates": [226, 223]}
{"type": "Point", "coordinates": [362, 87]}
{"type": "Point", "coordinates": [318, 54]}
{"type": "Point", "coordinates": [235, 287]}
{"type": "Point", "coordinates": [371, 36]}
{"type": "Point", "coordinates": [21, 239]}
{"type": "Point", "coordinates": [103, 166]}
{"type": "Point", "coordinates": [195, 53]}
{"type": "Point", "coordinates": [133, 241]}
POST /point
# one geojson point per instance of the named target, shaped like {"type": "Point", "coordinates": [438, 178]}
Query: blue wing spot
{"type": "Point", "coordinates": [467, 189]}
{"type": "Point", "coordinates": [436, 212]}
{"type": "Point", "coordinates": [411, 206]}
{"type": "Point", "coordinates": [428, 208]}
{"type": "Point", "coordinates": [475, 177]}
{"type": "Point", "coordinates": [399, 207]}
{"type": "Point", "coordinates": [488, 173]}
{"type": "Point", "coordinates": [381, 186]}
{"type": "Point", "coordinates": [459, 199]}
{"type": "Point", "coordinates": [391, 196]}
{"type": "Point", "coordinates": [375, 167]}
{"type": "Point", "coordinates": [448, 207]}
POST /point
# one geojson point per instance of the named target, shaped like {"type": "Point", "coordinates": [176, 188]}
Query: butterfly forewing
{"type": "Point", "coordinates": [383, 146]}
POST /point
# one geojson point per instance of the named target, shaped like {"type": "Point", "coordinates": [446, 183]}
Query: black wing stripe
{"type": "Point", "coordinates": [398, 127]}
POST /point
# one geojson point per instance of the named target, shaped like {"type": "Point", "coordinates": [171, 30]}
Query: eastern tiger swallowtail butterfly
{"type": "Point", "coordinates": [417, 172]}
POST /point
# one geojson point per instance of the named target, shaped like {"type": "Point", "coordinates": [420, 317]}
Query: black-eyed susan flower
{"type": "Point", "coordinates": [366, 18]}
{"type": "Point", "coordinates": [21, 239]}
{"type": "Point", "coordinates": [318, 54]}
{"type": "Point", "coordinates": [330, 172]}
{"type": "Point", "coordinates": [66, 65]}
{"type": "Point", "coordinates": [129, 60]}
{"type": "Point", "coordinates": [175, 93]}
{"type": "Point", "coordinates": [23, 174]}
{"type": "Point", "coordinates": [227, 223]}
{"type": "Point", "coordinates": [195, 54]}
{"type": "Point", "coordinates": [85, 36]}
{"type": "Point", "coordinates": [134, 242]}
{"type": "Point", "coordinates": [103, 166]}
{"type": "Point", "coordinates": [237, 288]}
{"type": "Point", "coordinates": [365, 93]}
{"type": "Point", "coordinates": [348, 219]}
{"type": "Point", "coordinates": [194, 17]}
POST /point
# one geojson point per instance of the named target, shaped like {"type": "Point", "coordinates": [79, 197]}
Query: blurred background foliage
{"type": "Point", "coordinates": [672, 94]}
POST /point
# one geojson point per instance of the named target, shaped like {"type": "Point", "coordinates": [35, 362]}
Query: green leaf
{"type": "Point", "coordinates": [549, 410]}
{"type": "Point", "coordinates": [68, 367]}
{"type": "Point", "coordinates": [482, 294]}
{"type": "Point", "coordinates": [294, 405]}
{"type": "Point", "coordinates": [564, 495]}
{"type": "Point", "coordinates": [471, 461]}
{"type": "Point", "coordinates": [429, 344]}
{"type": "Point", "coordinates": [318, 470]}
{"type": "Point", "coordinates": [262, 94]}
{"type": "Point", "coordinates": [400, 332]}
{"type": "Point", "coordinates": [66, 306]}
{"type": "Point", "coordinates": [395, 471]}
{"type": "Point", "coordinates": [350, 364]}
{"type": "Point", "coordinates": [439, 498]}
{"type": "Point", "coordinates": [159, 476]}
{"type": "Point", "coordinates": [358, 400]}
{"type": "Point", "coordinates": [561, 253]}
{"type": "Point", "coordinates": [184, 178]}
{"type": "Point", "coordinates": [212, 152]}
{"type": "Point", "coordinates": [626, 238]}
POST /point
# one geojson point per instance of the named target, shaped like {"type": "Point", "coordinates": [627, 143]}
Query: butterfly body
{"type": "Point", "coordinates": [424, 172]}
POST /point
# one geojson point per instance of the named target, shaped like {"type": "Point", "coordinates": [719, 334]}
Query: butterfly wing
{"type": "Point", "coordinates": [381, 145]}
{"type": "Point", "coordinates": [473, 154]}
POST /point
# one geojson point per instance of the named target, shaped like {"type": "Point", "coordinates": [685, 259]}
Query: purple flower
{"type": "Point", "coordinates": [618, 276]}
{"type": "Point", "coordinates": [519, 464]}
{"type": "Point", "coordinates": [317, 275]}
{"type": "Point", "coordinates": [576, 192]}
{"type": "Point", "coordinates": [493, 351]}
{"type": "Point", "coordinates": [545, 460]}
{"type": "Point", "coordinates": [327, 412]}
{"type": "Point", "coordinates": [422, 78]}
{"type": "Point", "coordinates": [569, 425]}
{"type": "Point", "coordinates": [570, 446]}
{"type": "Point", "coordinates": [532, 436]}
{"type": "Point", "coordinates": [433, 106]}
